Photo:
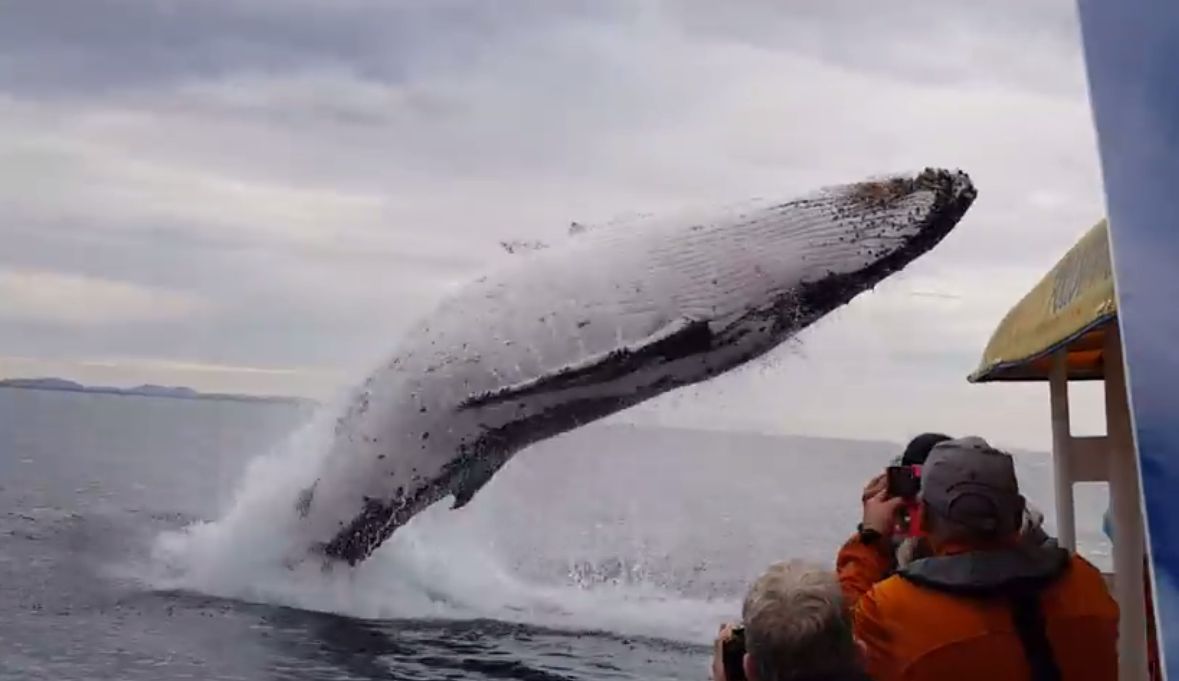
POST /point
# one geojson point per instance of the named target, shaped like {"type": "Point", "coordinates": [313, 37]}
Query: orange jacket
{"type": "Point", "coordinates": [916, 633]}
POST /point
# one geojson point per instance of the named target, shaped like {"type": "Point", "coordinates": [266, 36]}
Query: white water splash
{"type": "Point", "coordinates": [443, 564]}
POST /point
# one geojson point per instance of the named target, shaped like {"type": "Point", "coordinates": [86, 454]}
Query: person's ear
{"type": "Point", "coordinates": [749, 667]}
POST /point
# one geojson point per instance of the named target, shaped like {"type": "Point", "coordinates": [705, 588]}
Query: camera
{"type": "Point", "coordinates": [733, 654]}
{"type": "Point", "coordinates": [904, 481]}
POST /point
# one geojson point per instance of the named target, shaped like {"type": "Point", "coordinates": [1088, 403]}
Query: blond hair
{"type": "Point", "coordinates": [795, 624]}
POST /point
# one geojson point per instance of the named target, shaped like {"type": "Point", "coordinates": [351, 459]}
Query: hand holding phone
{"type": "Point", "coordinates": [733, 654]}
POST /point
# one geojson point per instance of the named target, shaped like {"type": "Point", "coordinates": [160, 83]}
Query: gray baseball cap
{"type": "Point", "coordinates": [973, 484]}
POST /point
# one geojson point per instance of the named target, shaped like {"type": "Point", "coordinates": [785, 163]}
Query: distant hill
{"type": "Point", "coordinates": [176, 392]}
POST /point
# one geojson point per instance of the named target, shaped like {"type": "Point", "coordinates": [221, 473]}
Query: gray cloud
{"type": "Point", "coordinates": [316, 173]}
{"type": "Point", "coordinates": [910, 40]}
{"type": "Point", "coordinates": [57, 47]}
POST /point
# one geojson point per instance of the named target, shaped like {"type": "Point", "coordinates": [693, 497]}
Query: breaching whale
{"type": "Point", "coordinates": [565, 335]}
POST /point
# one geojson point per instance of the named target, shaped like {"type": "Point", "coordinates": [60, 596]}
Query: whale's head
{"type": "Point", "coordinates": [877, 228]}
{"type": "Point", "coordinates": [874, 228]}
{"type": "Point", "coordinates": [793, 262]}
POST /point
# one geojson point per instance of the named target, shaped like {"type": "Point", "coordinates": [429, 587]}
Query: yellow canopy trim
{"type": "Point", "coordinates": [1070, 308]}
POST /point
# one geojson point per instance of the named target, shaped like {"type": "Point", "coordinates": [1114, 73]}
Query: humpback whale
{"type": "Point", "coordinates": [566, 334]}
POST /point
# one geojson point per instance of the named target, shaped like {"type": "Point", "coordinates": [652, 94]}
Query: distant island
{"type": "Point", "coordinates": [175, 392]}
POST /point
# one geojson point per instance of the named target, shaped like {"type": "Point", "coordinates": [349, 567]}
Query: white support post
{"type": "Point", "coordinates": [1066, 526]}
{"type": "Point", "coordinates": [1126, 516]}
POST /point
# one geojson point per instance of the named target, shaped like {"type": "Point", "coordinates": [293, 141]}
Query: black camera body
{"type": "Point", "coordinates": [733, 654]}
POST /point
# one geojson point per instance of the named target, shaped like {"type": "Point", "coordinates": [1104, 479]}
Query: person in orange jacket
{"type": "Point", "coordinates": [985, 605]}
{"type": "Point", "coordinates": [908, 547]}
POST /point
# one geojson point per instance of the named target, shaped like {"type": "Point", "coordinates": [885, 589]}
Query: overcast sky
{"type": "Point", "coordinates": [259, 195]}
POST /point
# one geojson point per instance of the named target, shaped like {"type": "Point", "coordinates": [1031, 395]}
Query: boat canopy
{"type": "Point", "coordinates": [1071, 308]}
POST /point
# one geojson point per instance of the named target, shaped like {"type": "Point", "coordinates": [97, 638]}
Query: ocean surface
{"type": "Point", "coordinates": [137, 535]}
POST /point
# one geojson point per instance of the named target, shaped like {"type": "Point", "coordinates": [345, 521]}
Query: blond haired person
{"type": "Point", "coordinates": [796, 628]}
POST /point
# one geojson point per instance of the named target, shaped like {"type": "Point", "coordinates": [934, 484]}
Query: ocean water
{"type": "Point", "coordinates": [138, 537]}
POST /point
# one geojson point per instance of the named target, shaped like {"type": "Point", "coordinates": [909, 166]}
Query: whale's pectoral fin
{"type": "Point", "coordinates": [682, 338]}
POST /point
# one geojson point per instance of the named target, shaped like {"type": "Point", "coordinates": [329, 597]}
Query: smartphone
{"type": "Point", "coordinates": [904, 481]}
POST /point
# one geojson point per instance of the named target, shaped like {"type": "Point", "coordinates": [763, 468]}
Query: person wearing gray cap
{"type": "Point", "coordinates": [985, 605]}
{"type": "Point", "coordinates": [908, 548]}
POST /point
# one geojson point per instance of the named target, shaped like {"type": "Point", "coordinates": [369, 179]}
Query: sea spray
{"type": "Point", "coordinates": [443, 565]}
